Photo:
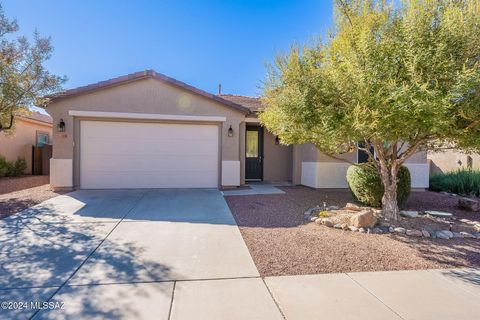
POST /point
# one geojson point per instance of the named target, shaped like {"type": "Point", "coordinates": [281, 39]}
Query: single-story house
{"type": "Point", "coordinates": [30, 130]}
{"type": "Point", "coordinates": [450, 159]}
{"type": "Point", "coordinates": [147, 130]}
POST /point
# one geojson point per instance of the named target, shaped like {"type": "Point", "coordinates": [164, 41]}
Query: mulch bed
{"type": "Point", "coordinates": [13, 202]}
{"type": "Point", "coordinates": [8, 185]}
{"type": "Point", "coordinates": [281, 242]}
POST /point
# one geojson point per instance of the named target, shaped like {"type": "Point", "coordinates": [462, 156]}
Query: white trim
{"type": "Point", "coordinates": [419, 174]}
{"type": "Point", "coordinates": [144, 116]}
{"type": "Point", "coordinates": [252, 120]}
{"type": "Point", "coordinates": [230, 173]}
{"type": "Point", "coordinates": [61, 173]}
{"type": "Point", "coordinates": [324, 174]}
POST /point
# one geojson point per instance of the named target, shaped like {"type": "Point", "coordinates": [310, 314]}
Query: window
{"type": "Point", "coordinates": [42, 139]}
{"type": "Point", "coordinates": [469, 162]}
{"type": "Point", "coordinates": [362, 156]}
{"type": "Point", "coordinates": [252, 144]}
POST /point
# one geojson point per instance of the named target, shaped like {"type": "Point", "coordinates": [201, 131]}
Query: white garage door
{"type": "Point", "coordinates": [148, 155]}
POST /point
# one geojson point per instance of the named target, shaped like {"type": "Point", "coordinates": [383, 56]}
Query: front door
{"type": "Point", "coordinates": [254, 153]}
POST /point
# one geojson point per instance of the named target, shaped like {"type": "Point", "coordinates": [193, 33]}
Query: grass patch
{"type": "Point", "coordinates": [464, 182]}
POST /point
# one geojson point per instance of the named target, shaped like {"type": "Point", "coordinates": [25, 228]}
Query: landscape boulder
{"type": "Point", "coordinates": [409, 214]}
{"type": "Point", "coordinates": [414, 233]}
{"type": "Point", "coordinates": [363, 219]}
{"type": "Point", "coordinates": [352, 206]}
{"type": "Point", "coordinates": [469, 204]}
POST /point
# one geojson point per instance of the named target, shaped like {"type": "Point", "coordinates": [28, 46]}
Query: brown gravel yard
{"type": "Point", "coordinates": [17, 201]}
{"type": "Point", "coordinates": [281, 242]}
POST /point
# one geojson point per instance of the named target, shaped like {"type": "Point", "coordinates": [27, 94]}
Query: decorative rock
{"type": "Point", "coordinates": [361, 230]}
{"type": "Point", "coordinates": [319, 221]}
{"type": "Point", "coordinates": [384, 229]}
{"type": "Point", "coordinates": [444, 234]}
{"type": "Point", "coordinates": [338, 226]}
{"type": "Point", "coordinates": [363, 219]}
{"type": "Point", "coordinates": [467, 235]}
{"type": "Point", "coordinates": [469, 204]}
{"type": "Point", "coordinates": [377, 212]}
{"type": "Point", "coordinates": [399, 230]}
{"type": "Point", "coordinates": [352, 206]}
{"type": "Point", "coordinates": [414, 233]}
{"type": "Point", "coordinates": [352, 228]}
{"type": "Point", "coordinates": [377, 230]}
{"type": "Point", "coordinates": [425, 233]}
{"type": "Point", "coordinates": [313, 219]}
{"type": "Point", "coordinates": [457, 235]}
{"type": "Point", "coordinates": [477, 235]}
{"type": "Point", "coordinates": [345, 226]}
{"type": "Point", "coordinates": [330, 208]}
{"type": "Point", "coordinates": [439, 214]}
{"type": "Point", "coordinates": [409, 214]}
{"type": "Point", "coordinates": [391, 229]}
{"type": "Point", "coordinates": [327, 223]}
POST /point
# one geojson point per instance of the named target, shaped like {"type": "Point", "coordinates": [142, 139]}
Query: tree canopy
{"type": "Point", "coordinates": [397, 77]}
{"type": "Point", "coordinates": [24, 80]}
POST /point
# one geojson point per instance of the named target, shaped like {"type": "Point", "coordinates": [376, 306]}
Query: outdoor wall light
{"type": "Point", "coordinates": [277, 140]}
{"type": "Point", "coordinates": [61, 126]}
{"type": "Point", "coordinates": [230, 132]}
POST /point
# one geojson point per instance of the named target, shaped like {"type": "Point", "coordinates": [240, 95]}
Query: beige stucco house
{"type": "Point", "coordinates": [146, 130]}
{"type": "Point", "coordinates": [33, 129]}
{"type": "Point", "coordinates": [448, 159]}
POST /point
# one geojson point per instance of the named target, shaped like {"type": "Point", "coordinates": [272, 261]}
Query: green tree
{"type": "Point", "coordinates": [398, 78]}
{"type": "Point", "coordinates": [24, 81]}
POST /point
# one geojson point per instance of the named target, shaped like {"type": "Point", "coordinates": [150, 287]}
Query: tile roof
{"type": "Point", "coordinates": [144, 75]}
{"type": "Point", "coordinates": [37, 116]}
{"type": "Point", "coordinates": [252, 103]}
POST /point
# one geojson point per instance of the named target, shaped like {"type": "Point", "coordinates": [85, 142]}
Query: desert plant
{"type": "Point", "coordinates": [12, 169]}
{"type": "Point", "coordinates": [463, 181]}
{"type": "Point", "coordinates": [366, 184]}
{"type": "Point", "coordinates": [18, 167]}
{"type": "Point", "coordinates": [4, 167]}
{"type": "Point", "coordinates": [396, 76]}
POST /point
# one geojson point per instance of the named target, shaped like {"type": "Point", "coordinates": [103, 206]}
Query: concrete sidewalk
{"type": "Point", "coordinates": [178, 254]}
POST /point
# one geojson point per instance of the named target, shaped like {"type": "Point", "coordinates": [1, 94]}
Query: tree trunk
{"type": "Point", "coordinates": [389, 200]}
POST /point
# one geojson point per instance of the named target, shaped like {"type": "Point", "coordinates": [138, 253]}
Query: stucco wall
{"type": "Point", "coordinates": [451, 160]}
{"type": "Point", "coordinates": [315, 169]}
{"type": "Point", "coordinates": [142, 96]}
{"type": "Point", "coordinates": [19, 142]}
{"type": "Point", "coordinates": [277, 162]}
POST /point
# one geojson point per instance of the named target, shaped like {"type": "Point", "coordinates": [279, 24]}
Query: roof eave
{"type": "Point", "coordinates": [139, 76]}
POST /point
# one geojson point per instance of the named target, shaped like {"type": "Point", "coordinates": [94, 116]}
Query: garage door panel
{"type": "Point", "coordinates": [127, 148]}
{"type": "Point", "coordinates": [148, 155]}
{"type": "Point", "coordinates": [157, 163]}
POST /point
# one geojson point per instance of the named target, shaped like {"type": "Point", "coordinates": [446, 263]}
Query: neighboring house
{"type": "Point", "coordinates": [146, 130]}
{"type": "Point", "coordinates": [446, 160]}
{"type": "Point", "coordinates": [30, 130]}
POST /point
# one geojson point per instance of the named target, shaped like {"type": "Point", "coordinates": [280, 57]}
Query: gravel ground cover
{"type": "Point", "coordinates": [8, 184]}
{"type": "Point", "coordinates": [13, 202]}
{"type": "Point", "coordinates": [281, 242]}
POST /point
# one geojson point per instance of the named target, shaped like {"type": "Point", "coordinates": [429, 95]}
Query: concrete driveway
{"type": "Point", "coordinates": [178, 254]}
{"type": "Point", "coordinates": [120, 254]}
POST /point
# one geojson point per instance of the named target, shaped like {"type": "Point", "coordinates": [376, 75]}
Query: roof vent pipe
{"type": "Point", "coordinates": [219, 89]}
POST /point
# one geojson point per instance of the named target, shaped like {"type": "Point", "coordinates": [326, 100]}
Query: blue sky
{"type": "Point", "coordinates": [203, 43]}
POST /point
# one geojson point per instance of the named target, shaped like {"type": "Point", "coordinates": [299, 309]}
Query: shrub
{"type": "Point", "coordinates": [366, 185]}
{"type": "Point", "coordinates": [4, 166]}
{"type": "Point", "coordinates": [18, 167]}
{"type": "Point", "coordinates": [463, 181]}
{"type": "Point", "coordinates": [12, 169]}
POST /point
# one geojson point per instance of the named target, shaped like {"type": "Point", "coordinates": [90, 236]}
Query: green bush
{"type": "Point", "coordinates": [12, 169]}
{"type": "Point", "coordinates": [4, 167]}
{"type": "Point", "coordinates": [367, 188]}
{"type": "Point", "coordinates": [463, 181]}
